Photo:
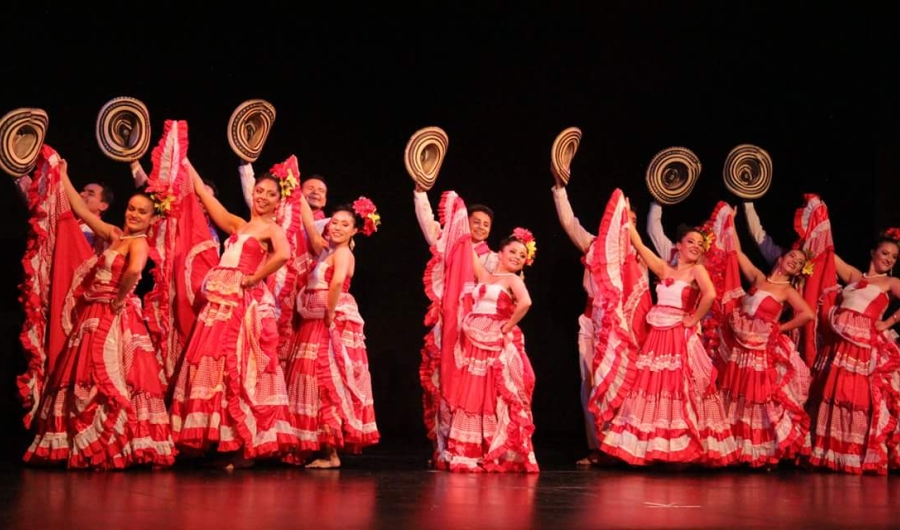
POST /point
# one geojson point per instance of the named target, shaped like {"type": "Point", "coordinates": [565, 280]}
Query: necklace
{"type": "Point", "coordinates": [133, 236]}
{"type": "Point", "coordinates": [866, 275]}
{"type": "Point", "coordinates": [778, 282]}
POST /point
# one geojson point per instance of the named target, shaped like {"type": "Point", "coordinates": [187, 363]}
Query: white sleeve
{"type": "Point", "coordinates": [248, 181]}
{"type": "Point", "coordinates": [23, 184]}
{"type": "Point", "coordinates": [770, 251]}
{"type": "Point", "coordinates": [321, 224]}
{"type": "Point", "coordinates": [661, 243]}
{"type": "Point", "coordinates": [138, 173]}
{"type": "Point", "coordinates": [431, 229]}
{"type": "Point", "coordinates": [581, 237]}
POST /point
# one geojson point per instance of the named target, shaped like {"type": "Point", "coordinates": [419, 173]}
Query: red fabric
{"type": "Point", "coordinates": [289, 279]}
{"type": "Point", "coordinates": [821, 289]}
{"type": "Point", "coordinates": [721, 262]}
{"type": "Point", "coordinates": [621, 305]}
{"type": "Point", "coordinates": [459, 270]}
{"type": "Point", "coordinates": [55, 249]}
{"type": "Point", "coordinates": [181, 248]}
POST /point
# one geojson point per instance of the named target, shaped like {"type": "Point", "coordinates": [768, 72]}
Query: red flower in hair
{"type": "Point", "coordinates": [527, 239]}
{"type": "Point", "coordinates": [163, 198]}
{"type": "Point", "coordinates": [365, 208]}
{"type": "Point", "coordinates": [709, 235]}
{"type": "Point", "coordinates": [286, 178]}
{"type": "Point", "coordinates": [893, 233]}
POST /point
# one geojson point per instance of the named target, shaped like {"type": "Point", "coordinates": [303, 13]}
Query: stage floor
{"type": "Point", "coordinates": [389, 488]}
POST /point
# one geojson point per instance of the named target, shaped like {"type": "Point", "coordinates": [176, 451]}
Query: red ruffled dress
{"type": "Point", "coordinates": [764, 383]}
{"type": "Point", "coordinates": [329, 385]}
{"type": "Point", "coordinates": [489, 400]}
{"type": "Point", "coordinates": [854, 403]}
{"type": "Point", "coordinates": [671, 410]}
{"type": "Point", "coordinates": [230, 390]}
{"type": "Point", "coordinates": [102, 406]}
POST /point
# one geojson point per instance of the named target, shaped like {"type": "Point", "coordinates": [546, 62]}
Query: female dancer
{"type": "Point", "coordinates": [764, 382]}
{"type": "Point", "coordinates": [230, 390]}
{"type": "Point", "coordinates": [486, 379]}
{"type": "Point", "coordinates": [667, 408]}
{"type": "Point", "coordinates": [327, 369]}
{"type": "Point", "coordinates": [854, 404]}
{"type": "Point", "coordinates": [102, 406]}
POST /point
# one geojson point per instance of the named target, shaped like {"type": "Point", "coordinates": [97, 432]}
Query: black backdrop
{"type": "Point", "coordinates": [814, 89]}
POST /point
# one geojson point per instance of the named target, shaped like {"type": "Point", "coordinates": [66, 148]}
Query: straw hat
{"type": "Point", "coordinates": [562, 153]}
{"type": "Point", "coordinates": [249, 127]}
{"type": "Point", "coordinates": [425, 152]}
{"type": "Point", "coordinates": [748, 171]}
{"type": "Point", "coordinates": [123, 129]}
{"type": "Point", "coordinates": [22, 134]}
{"type": "Point", "coordinates": [672, 174]}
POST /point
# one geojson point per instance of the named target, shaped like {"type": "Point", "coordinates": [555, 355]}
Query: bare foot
{"type": "Point", "coordinates": [238, 462]}
{"type": "Point", "coordinates": [592, 459]}
{"type": "Point", "coordinates": [332, 462]}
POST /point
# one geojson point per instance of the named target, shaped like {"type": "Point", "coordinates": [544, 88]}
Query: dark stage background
{"type": "Point", "coordinates": [814, 89]}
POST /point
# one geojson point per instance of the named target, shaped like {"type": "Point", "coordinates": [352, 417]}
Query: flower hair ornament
{"type": "Point", "coordinates": [708, 235]}
{"type": "Point", "coordinates": [365, 208]}
{"type": "Point", "coordinates": [893, 233]}
{"type": "Point", "coordinates": [162, 200]}
{"type": "Point", "coordinates": [286, 179]}
{"type": "Point", "coordinates": [809, 266]}
{"type": "Point", "coordinates": [527, 239]}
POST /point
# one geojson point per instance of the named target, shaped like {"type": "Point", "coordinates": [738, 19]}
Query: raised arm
{"type": "Point", "coordinates": [248, 182]}
{"type": "Point", "coordinates": [225, 220]}
{"type": "Point", "coordinates": [846, 272]}
{"type": "Point", "coordinates": [431, 229]}
{"type": "Point", "coordinates": [654, 263]}
{"type": "Point", "coordinates": [661, 243]}
{"type": "Point", "coordinates": [138, 250]}
{"type": "Point", "coordinates": [138, 173]}
{"type": "Point", "coordinates": [523, 303]}
{"type": "Point", "coordinates": [581, 237]}
{"type": "Point", "coordinates": [317, 241]}
{"type": "Point", "coordinates": [748, 269]}
{"type": "Point", "coordinates": [100, 228]}
{"type": "Point", "coordinates": [802, 312]}
{"type": "Point", "coordinates": [770, 251]}
{"type": "Point", "coordinates": [707, 296]}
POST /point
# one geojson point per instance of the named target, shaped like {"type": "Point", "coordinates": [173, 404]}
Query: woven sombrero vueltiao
{"type": "Point", "coordinates": [123, 129]}
{"type": "Point", "coordinates": [425, 152]}
{"type": "Point", "coordinates": [748, 171]}
{"type": "Point", "coordinates": [672, 174]}
{"type": "Point", "coordinates": [22, 134]}
{"type": "Point", "coordinates": [562, 153]}
{"type": "Point", "coordinates": [248, 128]}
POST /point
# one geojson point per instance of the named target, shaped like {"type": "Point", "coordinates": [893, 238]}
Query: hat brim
{"type": "Point", "coordinates": [561, 154]}
{"type": "Point", "coordinates": [123, 129]}
{"type": "Point", "coordinates": [748, 171]}
{"type": "Point", "coordinates": [22, 134]}
{"type": "Point", "coordinates": [672, 175]}
{"type": "Point", "coordinates": [249, 127]}
{"type": "Point", "coordinates": [424, 155]}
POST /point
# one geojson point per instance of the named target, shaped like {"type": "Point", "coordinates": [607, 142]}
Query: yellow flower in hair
{"type": "Point", "coordinates": [808, 268]}
{"type": "Point", "coordinates": [708, 239]}
{"type": "Point", "coordinates": [162, 201]}
{"type": "Point", "coordinates": [530, 250]}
